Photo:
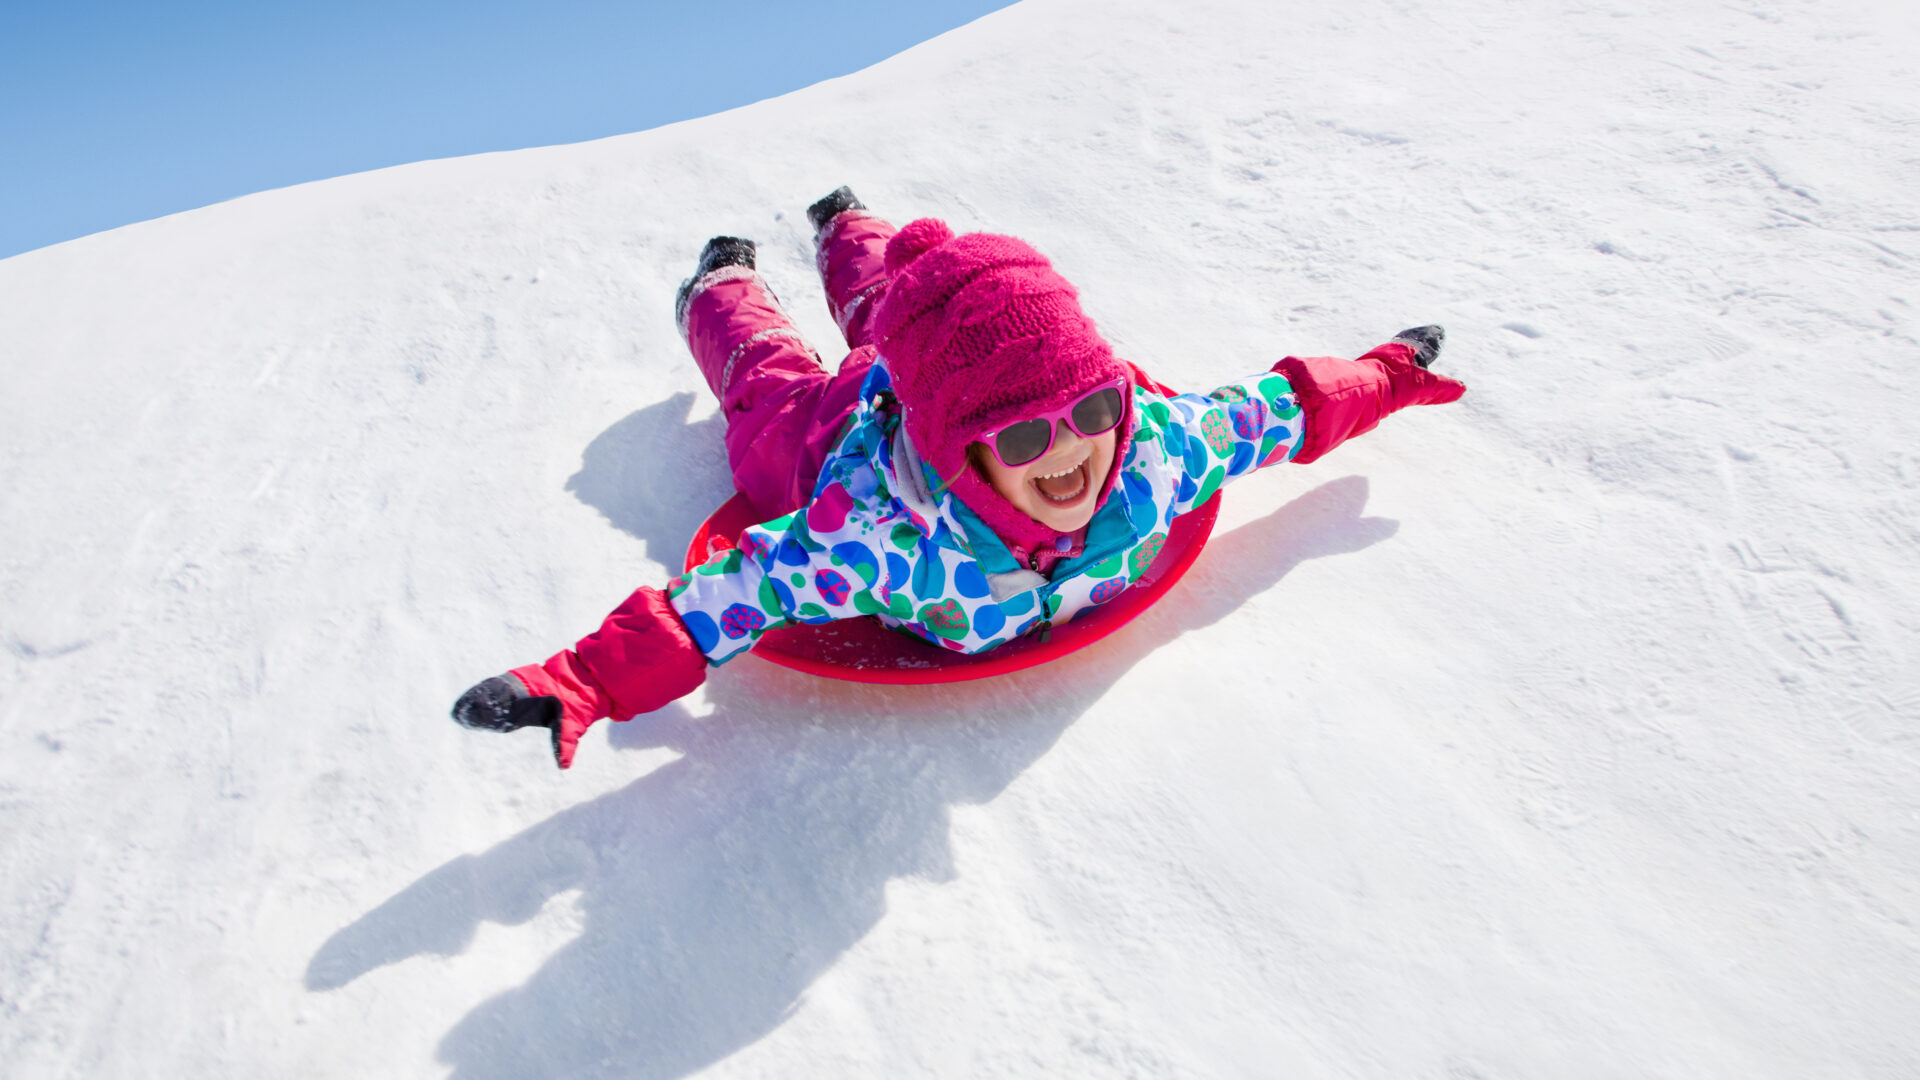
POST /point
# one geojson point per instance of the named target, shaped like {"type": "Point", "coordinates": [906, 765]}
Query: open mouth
{"type": "Point", "coordinates": [1066, 487]}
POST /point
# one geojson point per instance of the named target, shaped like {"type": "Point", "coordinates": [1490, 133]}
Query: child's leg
{"type": "Point", "coordinates": [782, 407]}
{"type": "Point", "coordinates": [850, 251]}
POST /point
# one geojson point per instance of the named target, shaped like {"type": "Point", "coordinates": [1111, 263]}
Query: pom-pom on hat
{"type": "Point", "coordinates": [979, 331]}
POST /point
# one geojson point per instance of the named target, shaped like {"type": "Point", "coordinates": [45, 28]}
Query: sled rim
{"type": "Point", "coordinates": [894, 657]}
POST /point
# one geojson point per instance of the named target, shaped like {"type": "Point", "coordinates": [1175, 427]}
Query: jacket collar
{"type": "Point", "coordinates": [1120, 522]}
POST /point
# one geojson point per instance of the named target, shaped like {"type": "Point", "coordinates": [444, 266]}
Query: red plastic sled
{"type": "Point", "coordinates": [863, 650]}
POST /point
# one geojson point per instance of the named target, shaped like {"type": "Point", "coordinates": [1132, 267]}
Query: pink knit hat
{"type": "Point", "coordinates": [979, 331]}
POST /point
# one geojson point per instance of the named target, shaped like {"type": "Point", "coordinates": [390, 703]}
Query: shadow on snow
{"type": "Point", "coordinates": [653, 474]}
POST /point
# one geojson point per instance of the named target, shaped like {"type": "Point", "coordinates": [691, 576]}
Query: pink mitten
{"type": "Point", "coordinates": [1344, 398]}
{"type": "Point", "coordinates": [640, 659]}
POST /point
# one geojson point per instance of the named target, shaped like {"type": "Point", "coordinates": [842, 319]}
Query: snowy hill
{"type": "Point", "coordinates": [1571, 731]}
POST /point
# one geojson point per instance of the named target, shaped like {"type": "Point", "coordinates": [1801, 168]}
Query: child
{"type": "Point", "coordinates": [980, 467]}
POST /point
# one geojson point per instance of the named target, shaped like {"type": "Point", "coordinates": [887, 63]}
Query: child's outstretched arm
{"type": "Point", "coordinates": [656, 647]}
{"type": "Point", "coordinates": [1297, 410]}
{"type": "Point", "coordinates": [640, 659]}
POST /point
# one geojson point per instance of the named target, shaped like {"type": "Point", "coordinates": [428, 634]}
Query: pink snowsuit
{"type": "Point", "coordinates": [783, 409]}
{"type": "Point", "coordinates": [784, 414]}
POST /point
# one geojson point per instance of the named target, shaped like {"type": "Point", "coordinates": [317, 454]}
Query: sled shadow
{"type": "Point", "coordinates": [653, 475]}
{"type": "Point", "coordinates": [712, 892]}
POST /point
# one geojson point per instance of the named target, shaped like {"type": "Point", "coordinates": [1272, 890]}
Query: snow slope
{"type": "Point", "coordinates": [1571, 731]}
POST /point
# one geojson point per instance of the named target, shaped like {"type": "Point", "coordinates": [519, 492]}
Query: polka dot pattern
{"type": "Point", "coordinates": [860, 549]}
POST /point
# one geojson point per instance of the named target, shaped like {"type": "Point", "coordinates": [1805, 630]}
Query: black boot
{"type": "Point", "coordinates": [720, 251]}
{"type": "Point", "coordinates": [837, 202]}
{"type": "Point", "coordinates": [724, 251]}
{"type": "Point", "coordinates": [1426, 342]}
{"type": "Point", "coordinates": [503, 704]}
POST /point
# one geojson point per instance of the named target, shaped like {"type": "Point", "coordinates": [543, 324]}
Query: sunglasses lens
{"type": "Point", "coordinates": [1097, 412]}
{"type": "Point", "coordinates": [1023, 442]}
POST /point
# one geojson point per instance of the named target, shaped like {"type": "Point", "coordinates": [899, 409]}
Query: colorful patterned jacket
{"type": "Point", "coordinates": [877, 540]}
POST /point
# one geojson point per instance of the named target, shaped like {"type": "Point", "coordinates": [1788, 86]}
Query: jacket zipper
{"type": "Point", "coordinates": [1045, 629]}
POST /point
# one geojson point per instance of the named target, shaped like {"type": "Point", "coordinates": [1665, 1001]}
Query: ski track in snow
{"type": "Point", "coordinates": [1569, 731]}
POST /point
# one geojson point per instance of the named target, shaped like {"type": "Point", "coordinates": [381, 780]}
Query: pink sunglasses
{"type": "Point", "coordinates": [1028, 440]}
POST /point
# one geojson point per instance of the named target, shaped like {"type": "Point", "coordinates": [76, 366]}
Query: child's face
{"type": "Point", "coordinates": [1057, 489]}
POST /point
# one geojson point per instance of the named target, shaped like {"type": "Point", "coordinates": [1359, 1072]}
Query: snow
{"type": "Point", "coordinates": [1568, 731]}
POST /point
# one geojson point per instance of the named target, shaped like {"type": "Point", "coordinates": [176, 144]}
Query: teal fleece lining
{"type": "Point", "coordinates": [1109, 532]}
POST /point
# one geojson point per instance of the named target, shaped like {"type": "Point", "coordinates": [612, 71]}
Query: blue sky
{"type": "Point", "coordinates": [112, 113]}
